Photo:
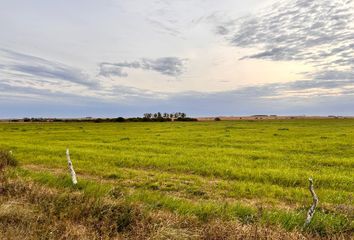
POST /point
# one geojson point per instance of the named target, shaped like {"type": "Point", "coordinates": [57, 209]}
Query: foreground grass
{"type": "Point", "coordinates": [254, 173]}
{"type": "Point", "coordinates": [44, 206]}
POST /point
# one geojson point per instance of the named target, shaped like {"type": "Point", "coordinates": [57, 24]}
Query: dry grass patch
{"type": "Point", "coordinates": [30, 211]}
{"type": "Point", "coordinates": [7, 159]}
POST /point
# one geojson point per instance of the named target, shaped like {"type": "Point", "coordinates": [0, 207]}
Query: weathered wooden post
{"type": "Point", "coordinates": [311, 211]}
{"type": "Point", "coordinates": [71, 168]}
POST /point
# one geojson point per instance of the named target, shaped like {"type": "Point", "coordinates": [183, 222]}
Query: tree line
{"type": "Point", "coordinates": [159, 115]}
{"type": "Point", "coordinates": [147, 117]}
{"type": "Point", "coordinates": [166, 117]}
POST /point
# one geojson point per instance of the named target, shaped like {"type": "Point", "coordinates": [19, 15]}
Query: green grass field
{"type": "Point", "coordinates": [252, 172]}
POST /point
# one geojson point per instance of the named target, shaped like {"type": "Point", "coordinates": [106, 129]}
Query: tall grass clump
{"type": "Point", "coordinates": [7, 159]}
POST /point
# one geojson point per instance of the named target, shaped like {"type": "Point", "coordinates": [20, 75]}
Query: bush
{"type": "Point", "coordinates": [119, 119]}
{"type": "Point", "coordinates": [187, 119]}
{"type": "Point", "coordinates": [7, 159]}
{"type": "Point", "coordinates": [217, 119]}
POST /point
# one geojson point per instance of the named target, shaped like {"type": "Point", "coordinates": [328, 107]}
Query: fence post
{"type": "Point", "coordinates": [311, 211]}
{"type": "Point", "coordinates": [71, 168]}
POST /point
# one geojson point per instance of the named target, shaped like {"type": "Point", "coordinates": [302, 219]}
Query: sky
{"type": "Point", "coordinates": [110, 58]}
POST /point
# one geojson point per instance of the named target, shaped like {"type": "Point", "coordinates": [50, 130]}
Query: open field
{"type": "Point", "coordinates": [202, 180]}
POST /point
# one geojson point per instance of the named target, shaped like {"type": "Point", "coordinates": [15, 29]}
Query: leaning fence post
{"type": "Point", "coordinates": [71, 168]}
{"type": "Point", "coordinates": [311, 211]}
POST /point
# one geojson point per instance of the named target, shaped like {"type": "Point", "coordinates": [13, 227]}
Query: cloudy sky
{"type": "Point", "coordinates": [108, 58]}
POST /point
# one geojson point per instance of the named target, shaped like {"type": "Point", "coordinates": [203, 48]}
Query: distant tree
{"type": "Point", "coordinates": [98, 120]}
{"type": "Point", "coordinates": [159, 115]}
{"type": "Point", "coordinates": [183, 115]}
{"type": "Point", "coordinates": [147, 115]}
{"type": "Point", "coordinates": [119, 119]}
{"type": "Point", "coordinates": [171, 115]}
{"type": "Point", "coordinates": [155, 115]}
{"type": "Point", "coordinates": [166, 115]}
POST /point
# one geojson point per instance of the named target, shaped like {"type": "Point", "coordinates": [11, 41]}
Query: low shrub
{"type": "Point", "coordinates": [186, 119]}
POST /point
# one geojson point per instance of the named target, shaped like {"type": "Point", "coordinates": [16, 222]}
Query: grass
{"type": "Point", "coordinates": [7, 159]}
{"type": "Point", "coordinates": [252, 172]}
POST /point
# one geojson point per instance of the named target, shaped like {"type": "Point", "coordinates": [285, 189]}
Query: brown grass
{"type": "Point", "coordinates": [6, 159]}
{"type": "Point", "coordinates": [30, 211]}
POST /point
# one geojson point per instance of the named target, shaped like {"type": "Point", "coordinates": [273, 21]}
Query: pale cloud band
{"type": "Point", "coordinates": [170, 66]}
{"type": "Point", "coordinates": [19, 65]}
